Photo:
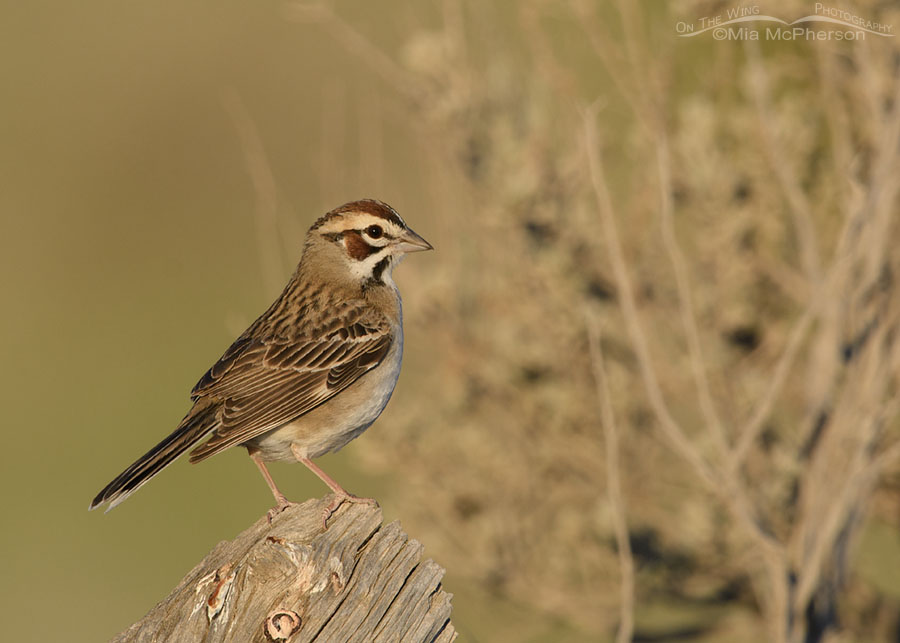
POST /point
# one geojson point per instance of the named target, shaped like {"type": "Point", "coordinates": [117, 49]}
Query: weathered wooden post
{"type": "Point", "coordinates": [358, 580]}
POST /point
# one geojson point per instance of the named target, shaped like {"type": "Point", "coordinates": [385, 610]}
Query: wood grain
{"type": "Point", "coordinates": [358, 580]}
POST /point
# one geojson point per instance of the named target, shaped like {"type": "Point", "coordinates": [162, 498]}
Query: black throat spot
{"type": "Point", "coordinates": [378, 271]}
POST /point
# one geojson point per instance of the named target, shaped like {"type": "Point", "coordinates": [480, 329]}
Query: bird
{"type": "Point", "coordinates": [314, 371]}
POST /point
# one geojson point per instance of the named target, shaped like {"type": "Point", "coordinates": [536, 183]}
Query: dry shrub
{"type": "Point", "coordinates": [696, 241]}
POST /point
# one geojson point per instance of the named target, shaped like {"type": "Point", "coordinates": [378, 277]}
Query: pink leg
{"type": "Point", "coordinates": [341, 495]}
{"type": "Point", "coordinates": [281, 501]}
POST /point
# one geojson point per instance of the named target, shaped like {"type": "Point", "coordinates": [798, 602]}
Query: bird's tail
{"type": "Point", "coordinates": [196, 425]}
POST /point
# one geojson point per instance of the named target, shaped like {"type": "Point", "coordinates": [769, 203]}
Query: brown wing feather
{"type": "Point", "coordinates": [262, 385]}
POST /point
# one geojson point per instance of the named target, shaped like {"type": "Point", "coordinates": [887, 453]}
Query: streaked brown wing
{"type": "Point", "coordinates": [262, 385]}
{"type": "Point", "coordinates": [240, 356]}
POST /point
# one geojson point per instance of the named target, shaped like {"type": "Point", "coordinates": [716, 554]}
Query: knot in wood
{"type": "Point", "coordinates": [280, 625]}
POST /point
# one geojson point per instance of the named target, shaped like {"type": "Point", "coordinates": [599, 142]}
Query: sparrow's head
{"type": "Point", "coordinates": [368, 237]}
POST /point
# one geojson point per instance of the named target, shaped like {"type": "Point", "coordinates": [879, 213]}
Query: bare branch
{"type": "Point", "coordinates": [271, 253]}
{"type": "Point", "coordinates": [804, 227]}
{"type": "Point", "coordinates": [685, 300]}
{"type": "Point", "coordinates": [613, 484]}
{"type": "Point", "coordinates": [354, 42]}
{"type": "Point", "coordinates": [751, 430]}
{"type": "Point", "coordinates": [671, 430]}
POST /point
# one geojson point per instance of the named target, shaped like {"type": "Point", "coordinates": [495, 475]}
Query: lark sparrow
{"type": "Point", "coordinates": [315, 370]}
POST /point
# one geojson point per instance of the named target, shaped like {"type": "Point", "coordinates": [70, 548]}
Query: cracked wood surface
{"type": "Point", "coordinates": [292, 581]}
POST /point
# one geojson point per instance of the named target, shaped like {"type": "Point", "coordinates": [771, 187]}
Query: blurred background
{"type": "Point", "coordinates": [650, 383]}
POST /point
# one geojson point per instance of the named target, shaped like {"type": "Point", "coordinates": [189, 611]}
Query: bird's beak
{"type": "Point", "coordinates": [411, 242]}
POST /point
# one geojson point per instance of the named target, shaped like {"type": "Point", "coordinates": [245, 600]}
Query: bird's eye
{"type": "Point", "coordinates": [374, 231]}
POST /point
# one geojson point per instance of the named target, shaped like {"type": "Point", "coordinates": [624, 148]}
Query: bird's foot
{"type": "Point", "coordinates": [341, 498]}
{"type": "Point", "coordinates": [282, 504]}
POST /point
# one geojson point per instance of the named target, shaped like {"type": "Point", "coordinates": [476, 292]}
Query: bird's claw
{"type": "Point", "coordinates": [283, 503]}
{"type": "Point", "coordinates": [340, 499]}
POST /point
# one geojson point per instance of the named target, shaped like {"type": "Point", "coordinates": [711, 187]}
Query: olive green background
{"type": "Point", "coordinates": [129, 261]}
